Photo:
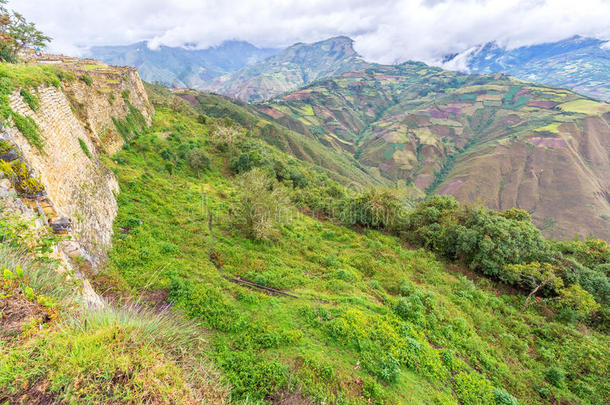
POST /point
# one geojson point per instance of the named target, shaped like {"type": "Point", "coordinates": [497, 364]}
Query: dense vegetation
{"type": "Point", "coordinates": [370, 317]}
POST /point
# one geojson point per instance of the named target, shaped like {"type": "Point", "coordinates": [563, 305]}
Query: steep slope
{"type": "Point", "coordinates": [294, 67]}
{"type": "Point", "coordinates": [490, 138]}
{"type": "Point", "coordinates": [182, 67]}
{"type": "Point", "coordinates": [578, 63]}
{"type": "Point", "coordinates": [339, 164]}
{"type": "Point", "coordinates": [318, 311]}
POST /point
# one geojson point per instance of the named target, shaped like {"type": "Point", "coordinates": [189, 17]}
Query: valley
{"type": "Point", "coordinates": [259, 225]}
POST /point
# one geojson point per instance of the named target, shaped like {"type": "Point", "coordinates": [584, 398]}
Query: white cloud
{"type": "Point", "coordinates": [385, 30]}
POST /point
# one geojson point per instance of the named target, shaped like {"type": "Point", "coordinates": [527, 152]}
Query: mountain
{"type": "Point", "coordinates": [294, 67]}
{"type": "Point", "coordinates": [182, 67]}
{"type": "Point", "coordinates": [489, 138]}
{"type": "Point", "coordinates": [161, 247]}
{"type": "Point", "coordinates": [578, 63]}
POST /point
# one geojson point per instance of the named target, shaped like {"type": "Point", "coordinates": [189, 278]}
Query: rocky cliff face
{"type": "Point", "coordinates": [78, 122]}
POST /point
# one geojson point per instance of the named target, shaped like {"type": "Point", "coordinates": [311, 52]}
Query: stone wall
{"type": "Point", "coordinates": [80, 187]}
{"type": "Point", "coordinates": [16, 209]}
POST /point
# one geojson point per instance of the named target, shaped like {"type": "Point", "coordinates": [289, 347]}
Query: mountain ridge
{"type": "Point", "coordinates": [182, 66]}
{"type": "Point", "coordinates": [447, 132]}
{"type": "Point", "coordinates": [578, 63]}
{"type": "Point", "coordinates": [295, 66]}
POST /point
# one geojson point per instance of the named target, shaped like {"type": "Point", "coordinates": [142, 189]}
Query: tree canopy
{"type": "Point", "coordinates": [16, 33]}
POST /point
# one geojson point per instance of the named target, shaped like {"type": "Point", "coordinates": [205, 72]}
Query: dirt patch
{"type": "Point", "coordinates": [37, 394]}
{"type": "Point", "coordinates": [289, 398]}
{"type": "Point", "coordinates": [157, 299]}
{"type": "Point", "coordinates": [190, 98]}
{"type": "Point", "coordinates": [15, 312]}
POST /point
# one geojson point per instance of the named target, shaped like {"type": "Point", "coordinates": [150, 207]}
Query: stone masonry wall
{"type": "Point", "coordinates": [79, 187]}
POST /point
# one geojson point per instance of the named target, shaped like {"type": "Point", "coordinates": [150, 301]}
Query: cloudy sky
{"type": "Point", "coordinates": [385, 31]}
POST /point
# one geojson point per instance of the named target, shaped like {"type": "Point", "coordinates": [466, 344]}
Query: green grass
{"type": "Point", "coordinates": [24, 78]}
{"type": "Point", "coordinates": [373, 319]}
{"type": "Point", "coordinates": [30, 99]}
{"type": "Point", "coordinates": [84, 147]}
{"type": "Point", "coordinates": [67, 352]}
{"type": "Point", "coordinates": [86, 79]}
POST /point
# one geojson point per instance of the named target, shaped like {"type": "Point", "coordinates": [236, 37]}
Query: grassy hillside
{"type": "Point", "coordinates": [242, 274]}
{"type": "Point", "coordinates": [491, 138]}
{"type": "Point", "coordinates": [367, 318]}
{"type": "Point", "coordinates": [55, 349]}
{"type": "Point", "coordinates": [342, 166]}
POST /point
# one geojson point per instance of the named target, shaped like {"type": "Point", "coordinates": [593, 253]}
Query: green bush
{"type": "Point", "coordinates": [374, 208]}
{"type": "Point", "coordinates": [386, 368]}
{"type": "Point", "coordinates": [205, 303]}
{"type": "Point", "coordinates": [503, 397]}
{"type": "Point", "coordinates": [86, 79]}
{"type": "Point", "coordinates": [198, 160]}
{"type": "Point", "coordinates": [260, 206]}
{"type": "Point", "coordinates": [473, 389]}
{"type": "Point", "coordinates": [30, 99]}
{"type": "Point", "coordinates": [410, 308]}
{"type": "Point", "coordinates": [556, 376]}
{"type": "Point", "coordinates": [5, 146]}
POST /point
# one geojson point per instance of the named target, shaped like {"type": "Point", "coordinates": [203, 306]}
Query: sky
{"type": "Point", "coordinates": [385, 31]}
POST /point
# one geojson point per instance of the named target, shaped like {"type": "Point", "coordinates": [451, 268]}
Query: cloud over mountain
{"type": "Point", "coordinates": [385, 30]}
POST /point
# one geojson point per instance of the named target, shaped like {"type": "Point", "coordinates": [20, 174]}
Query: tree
{"type": "Point", "coordinates": [16, 33]}
{"type": "Point", "coordinates": [198, 160]}
{"type": "Point", "coordinates": [374, 208]}
{"type": "Point", "coordinates": [534, 275]}
{"type": "Point", "coordinates": [261, 204]}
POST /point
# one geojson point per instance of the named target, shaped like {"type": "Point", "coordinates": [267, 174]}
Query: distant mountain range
{"type": "Point", "coordinates": [183, 67]}
{"type": "Point", "coordinates": [578, 63]}
{"type": "Point", "coordinates": [236, 68]}
{"type": "Point", "coordinates": [490, 138]}
{"type": "Point", "coordinates": [241, 70]}
{"type": "Point", "coordinates": [290, 69]}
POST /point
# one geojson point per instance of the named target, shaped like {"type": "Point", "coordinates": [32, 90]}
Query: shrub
{"type": "Point", "coordinates": [577, 301]}
{"type": "Point", "coordinates": [21, 178]}
{"type": "Point", "coordinates": [198, 160]}
{"type": "Point", "coordinates": [386, 368]}
{"type": "Point", "coordinates": [473, 389]}
{"type": "Point", "coordinates": [261, 204]}
{"type": "Point", "coordinates": [484, 240]}
{"type": "Point", "coordinates": [86, 79]}
{"type": "Point", "coordinates": [5, 146]}
{"type": "Point", "coordinates": [374, 208]}
{"type": "Point", "coordinates": [30, 99]}
{"type": "Point", "coordinates": [502, 397]}
{"type": "Point", "coordinates": [556, 376]}
{"type": "Point", "coordinates": [410, 308]}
